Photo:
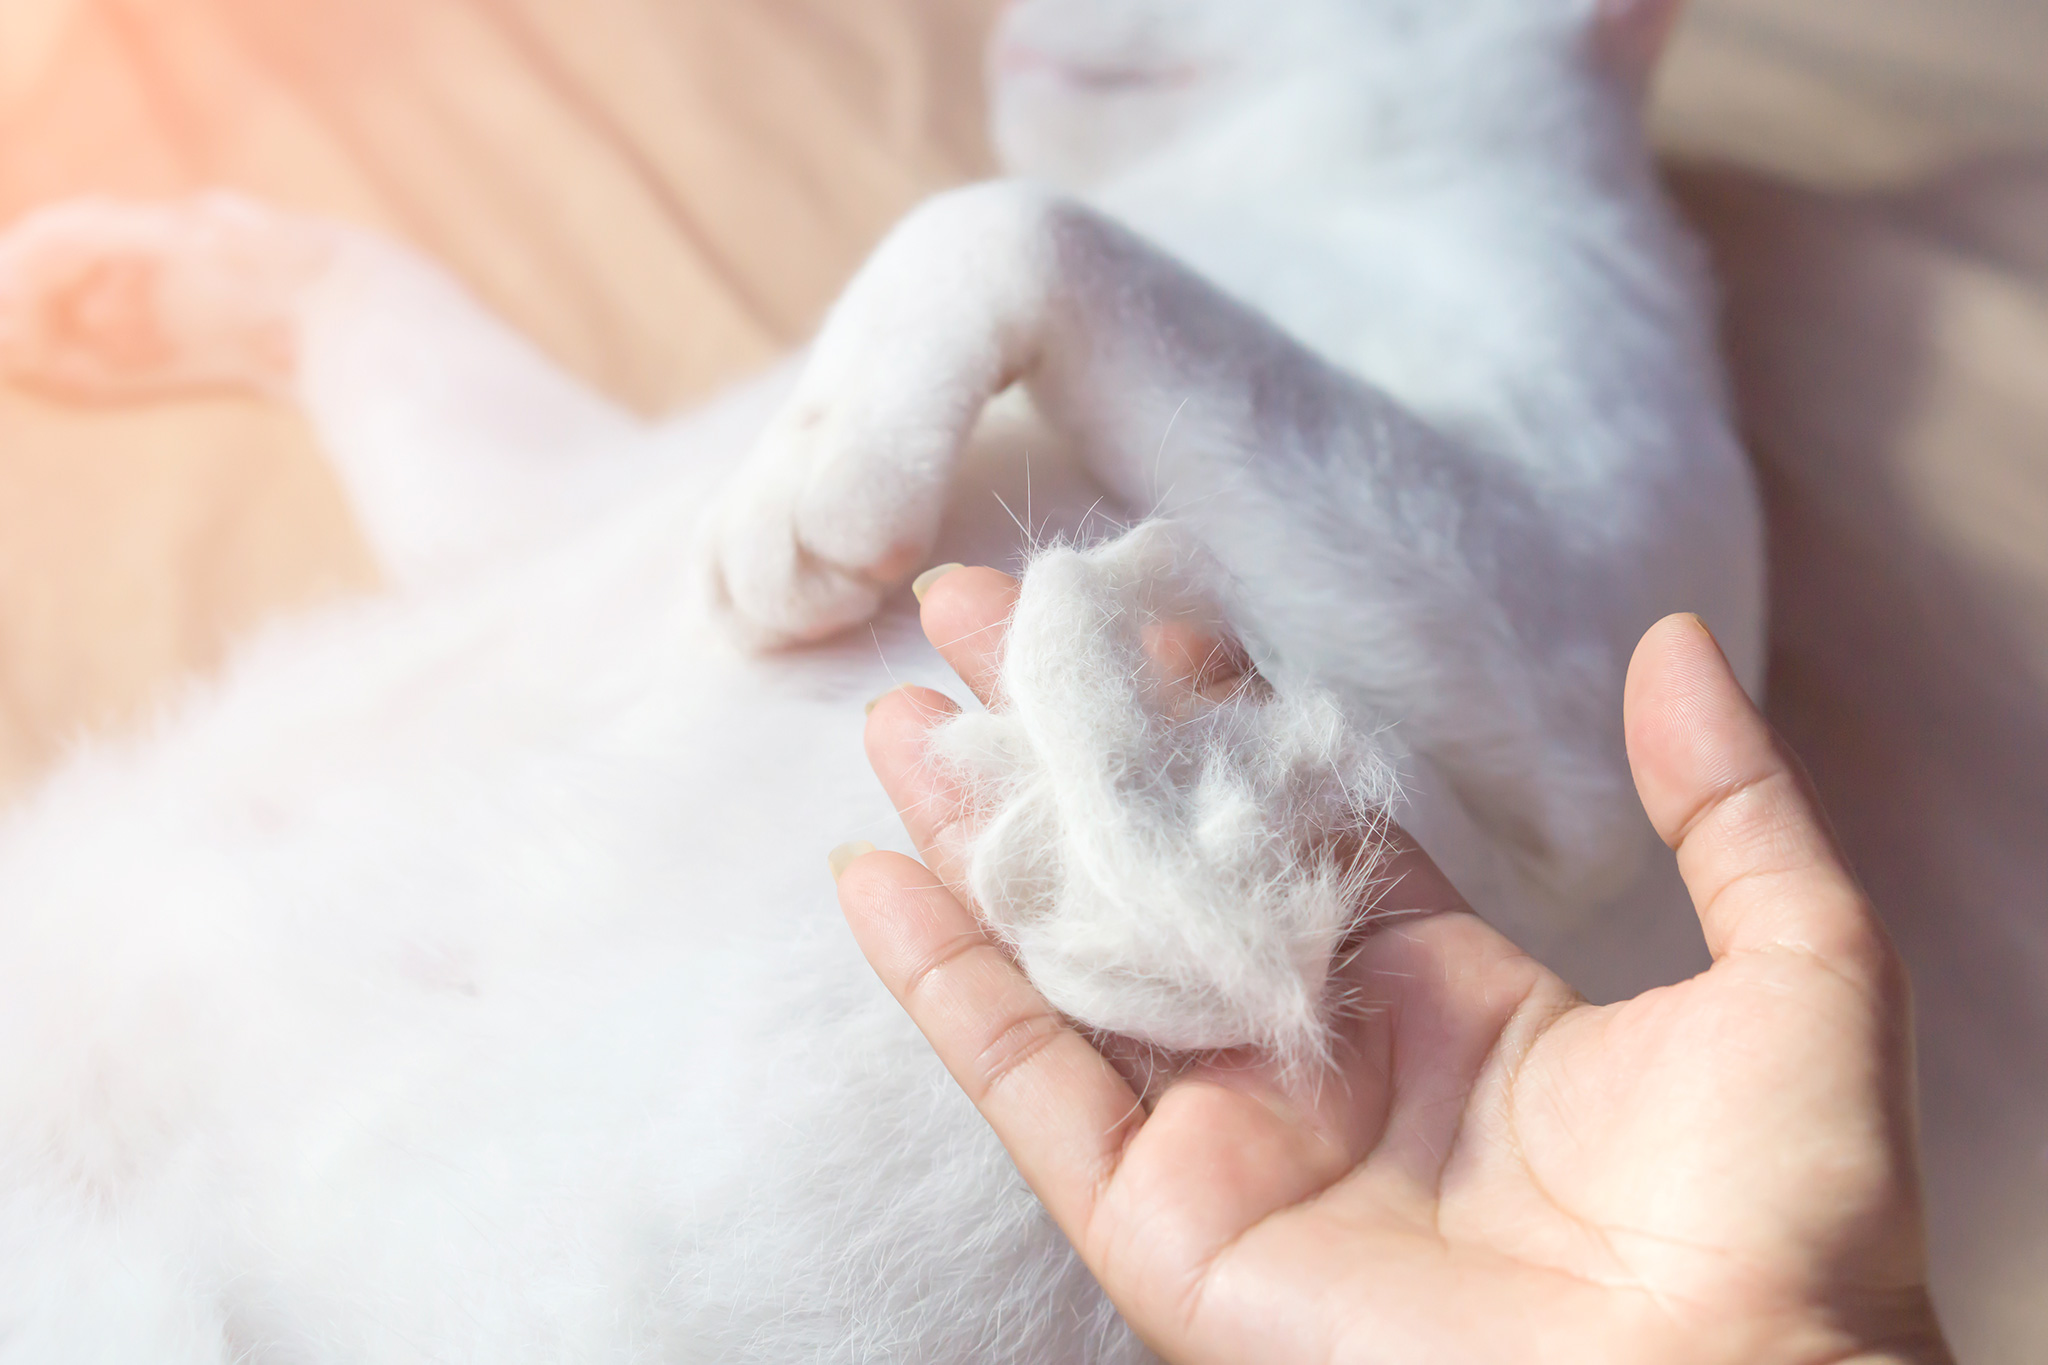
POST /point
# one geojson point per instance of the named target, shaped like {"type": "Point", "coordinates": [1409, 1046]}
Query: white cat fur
{"type": "Point", "coordinates": [1183, 879]}
{"type": "Point", "coordinates": [455, 979]}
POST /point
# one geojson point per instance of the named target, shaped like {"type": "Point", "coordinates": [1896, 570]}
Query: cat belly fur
{"type": "Point", "coordinates": [460, 979]}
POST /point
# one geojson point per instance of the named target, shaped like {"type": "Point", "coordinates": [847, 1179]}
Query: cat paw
{"type": "Point", "coordinates": [841, 499]}
{"type": "Point", "coordinates": [103, 299]}
{"type": "Point", "coordinates": [1169, 863]}
{"type": "Point", "coordinates": [835, 507]}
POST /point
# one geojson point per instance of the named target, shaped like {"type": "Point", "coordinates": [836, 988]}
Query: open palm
{"type": "Point", "coordinates": [1492, 1169]}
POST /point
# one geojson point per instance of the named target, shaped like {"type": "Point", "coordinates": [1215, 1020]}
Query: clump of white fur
{"type": "Point", "coordinates": [1173, 870]}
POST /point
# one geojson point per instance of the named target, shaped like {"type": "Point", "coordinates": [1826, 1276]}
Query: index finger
{"type": "Point", "coordinates": [1061, 1110]}
{"type": "Point", "coordinates": [966, 612]}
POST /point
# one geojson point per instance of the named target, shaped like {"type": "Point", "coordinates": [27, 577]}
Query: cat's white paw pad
{"type": "Point", "coordinates": [102, 298]}
{"type": "Point", "coordinates": [1183, 875]}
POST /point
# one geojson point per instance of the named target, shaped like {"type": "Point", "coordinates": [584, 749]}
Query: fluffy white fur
{"type": "Point", "coordinates": [457, 978]}
{"type": "Point", "coordinates": [1179, 874]}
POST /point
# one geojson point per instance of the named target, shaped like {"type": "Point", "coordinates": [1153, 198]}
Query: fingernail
{"type": "Point", "coordinates": [869, 709]}
{"type": "Point", "coordinates": [922, 584]}
{"type": "Point", "coordinates": [841, 858]}
{"type": "Point", "coordinates": [1704, 628]}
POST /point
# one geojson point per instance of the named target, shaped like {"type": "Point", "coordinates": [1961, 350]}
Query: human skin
{"type": "Point", "coordinates": [1491, 1169]}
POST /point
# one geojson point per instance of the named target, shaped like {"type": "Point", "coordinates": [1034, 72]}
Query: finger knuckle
{"type": "Point", "coordinates": [1013, 1049]}
{"type": "Point", "coordinates": [927, 973]}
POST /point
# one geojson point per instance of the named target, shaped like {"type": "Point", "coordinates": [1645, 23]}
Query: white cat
{"type": "Point", "coordinates": [458, 979]}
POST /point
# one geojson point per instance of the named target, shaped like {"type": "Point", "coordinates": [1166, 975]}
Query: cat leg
{"type": "Point", "coordinates": [1420, 580]}
{"type": "Point", "coordinates": [840, 499]}
{"type": "Point", "coordinates": [450, 431]}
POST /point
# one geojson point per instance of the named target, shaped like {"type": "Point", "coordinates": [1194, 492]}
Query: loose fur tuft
{"type": "Point", "coordinates": [1167, 868]}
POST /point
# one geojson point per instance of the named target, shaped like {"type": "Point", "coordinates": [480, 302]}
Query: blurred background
{"type": "Point", "coordinates": [666, 194]}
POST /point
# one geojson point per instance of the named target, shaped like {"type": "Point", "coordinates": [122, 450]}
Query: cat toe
{"type": "Point", "coordinates": [821, 525]}
{"type": "Point", "coordinates": [771, 591]}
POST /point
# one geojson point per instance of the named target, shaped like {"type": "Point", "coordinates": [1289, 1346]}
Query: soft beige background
{"type": "Point", "coordinates": [1885, 257]}
{"type": "Point", "coordinates": [666, 192]}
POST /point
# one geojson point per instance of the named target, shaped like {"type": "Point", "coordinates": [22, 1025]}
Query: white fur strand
{"type": "Point", "coordinates": [1180, 875]}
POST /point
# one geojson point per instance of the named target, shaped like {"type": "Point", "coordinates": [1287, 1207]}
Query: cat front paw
{"type": "Point", "coordinates": [840, 500]}
{"type": "Point", "coordinates": [1169, 863]}
{"type": "Point", "coordinates": [105, 299]}
{"type": "Point", "coordinates": [835, 507]}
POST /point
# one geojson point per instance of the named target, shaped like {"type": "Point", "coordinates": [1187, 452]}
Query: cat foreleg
{"type": "Point", "coordinates": [1413, 576]}
{"type": "Point", "coordinates": [840, 498]}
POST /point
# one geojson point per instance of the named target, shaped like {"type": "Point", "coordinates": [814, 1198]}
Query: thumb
{"type": "Point", "coordinates": [1726, 794]}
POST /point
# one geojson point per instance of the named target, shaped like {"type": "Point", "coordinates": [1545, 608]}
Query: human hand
{"type": "Point", "coordinates": [1492, 1169]}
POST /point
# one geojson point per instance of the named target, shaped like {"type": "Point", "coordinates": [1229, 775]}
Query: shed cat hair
{"type": "Point", "coordinates": [456, 977]}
